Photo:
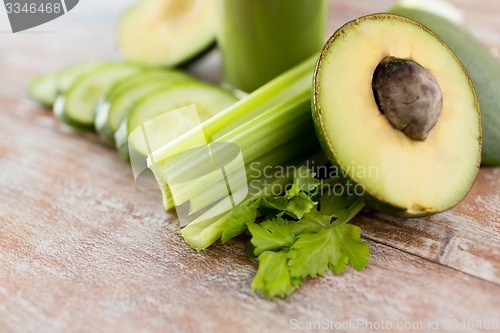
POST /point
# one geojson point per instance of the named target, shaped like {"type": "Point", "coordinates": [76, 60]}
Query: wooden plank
{"type": "Point", "coordinates": [141, 275]}
{"type": "Point", "coordinates": [465, 238]}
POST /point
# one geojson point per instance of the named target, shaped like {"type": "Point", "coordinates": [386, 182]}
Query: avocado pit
{"type": "Point", "coordinates": [408, 95]}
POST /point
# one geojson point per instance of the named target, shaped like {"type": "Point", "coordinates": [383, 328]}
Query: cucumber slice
{"type": "Point", "coordinates": [141, 77]}
{"type": "Point", "coordinates": [76, 107]}
{"type": "Point", "coordinates": [208, 99]}
{"type": "Point", "coordinates": [167, 32]}
{"type": "Point", "coordinates": [45, 88]}
{"type": "Point", "coordinates": [126, 93]}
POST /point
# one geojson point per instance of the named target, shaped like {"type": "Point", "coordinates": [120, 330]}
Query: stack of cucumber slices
{"type": "Point", "coordinates": [114, 98]}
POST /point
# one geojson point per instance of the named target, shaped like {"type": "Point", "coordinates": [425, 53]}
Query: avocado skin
{"type": "Point", "coordinates": [482, 67]}
{"type": "Point", "coordinates": [196, 56]}
{"type": "Point", "coordinates": [373, 201]}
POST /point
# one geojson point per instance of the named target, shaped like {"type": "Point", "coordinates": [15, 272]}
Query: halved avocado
{"type": "Point", "coordinates": [167, 32]}
{"type": "Point", "coordinates": [396, 112]}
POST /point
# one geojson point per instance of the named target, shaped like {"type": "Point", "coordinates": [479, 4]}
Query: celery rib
{"type": "Point", "coordinates": [296, 82]}
{"type": "Point", "coordinates": [272, 125]}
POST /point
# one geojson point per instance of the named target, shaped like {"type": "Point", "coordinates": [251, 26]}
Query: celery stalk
{"type": "Point", "coordinates": [272, 115]}
{"type": "Point", "coordinates": [296, 81]}
{"type": "Point", "coordinates": [200, 234]}
{"type": "Point", "coordinates": [272, 127]}
{"type": "Point", "coordinates": [206, 194]}
{"type": "Point", "coordinates": [264, 134]}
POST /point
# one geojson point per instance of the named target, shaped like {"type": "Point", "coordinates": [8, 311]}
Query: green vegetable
{"type": "Point", "coordinates": [273, 277]}
{"type": "Point", "coordinates": [271, 235]}
{"type": "Point", "coordinates": [272, 127]}
{"type": "Point", "coordinates": [292, 249]}
{"type": "Point", "coordinates": [208, 98]}
{"type": "Point", "coordinates": [125, 93]}
{"type": "Point", "coordinates": [45, 88]}
{"type": "Point", "coordinates": [76, 107]}
{"type": "Point", "coordinates": [297, 235]}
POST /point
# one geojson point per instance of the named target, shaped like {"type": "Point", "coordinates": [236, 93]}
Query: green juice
{"type": "Point", "coordinates": [261, 39]}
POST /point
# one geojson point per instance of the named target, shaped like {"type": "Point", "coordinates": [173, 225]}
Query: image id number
{"type": "Point", "coordinates": [33, 8]}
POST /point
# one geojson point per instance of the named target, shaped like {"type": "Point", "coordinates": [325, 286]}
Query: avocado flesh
{"type": "Point", "coordinates": [482, 66]}
{"type": "Point", "coordinates": [167, 33]}
{"type": "Point", "coordinates": [401, 176]}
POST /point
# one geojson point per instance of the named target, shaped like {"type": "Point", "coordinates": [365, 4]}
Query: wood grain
{"type": "Point", "coordinates": [464, 238]}
{"type": "Point", "coordinates": [82, 249]}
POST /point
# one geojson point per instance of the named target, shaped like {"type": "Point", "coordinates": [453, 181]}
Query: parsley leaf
{"type": "Point", "coordinates": [335, 205]}
{"type": "Point", "coordinates": [271, 235]}
{"type": "Point", "coordinates": [296, 202]}
{"type": "Point", "coordinates": [312, 254]}
{"type": "Point", "coordinates": [299, 205]}
{"type": "Point", "coordinates": [274, 206]}
{"type": "Point", "coordinates": [237, 220]}
{"type": "Point", "coordinates": [297, 238]}
{"type": "Point", "coordinates": [273, 277]}
{"type": "Point", "coordinates": [331, 248]}
{"type": "Point", "coordinates": [312, 223]}
{"type": "Point", "coordinates": [354, 248]}
{"type": "Point", "coordinates": [304, 180]}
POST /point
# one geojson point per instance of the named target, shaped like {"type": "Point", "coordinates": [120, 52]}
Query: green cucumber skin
{"type": "Point", "coordinates": [59, 82]}
{"type": "Point", "coordinates": [123, 131]}
{"type": "Point", "coordinates": [106, 134]}
{"type": "Point", "coordinates": [122, 148]}
{"type": "Point", "coordinates": [46, 98]}
{"type": "Point", "coordinates": [153, 74]}
{"type": "Point", "coordinates": [482, 67]}
{"type": "Point", "coordinates": [60, 107]}
{"type": "Point", "coordinates": [106, 129]}
{"type": "Point", "coordinates": [63, 118]}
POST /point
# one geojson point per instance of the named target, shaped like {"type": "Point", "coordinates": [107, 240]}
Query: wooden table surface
{"type": "Point", "coordinates": [83, 250]}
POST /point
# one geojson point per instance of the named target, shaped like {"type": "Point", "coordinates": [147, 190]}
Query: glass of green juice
{"type": "Point", "coordinates": [260, 39]}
